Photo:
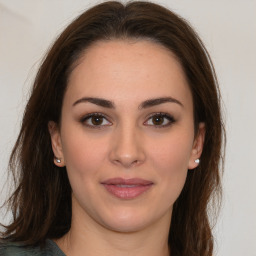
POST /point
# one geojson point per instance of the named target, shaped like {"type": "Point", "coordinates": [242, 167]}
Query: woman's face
{"type": "Point", "coordinates": [127, 134]}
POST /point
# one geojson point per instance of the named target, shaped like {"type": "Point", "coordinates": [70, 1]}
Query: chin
{"type": "Point", "coordinates": [127, 221]}
{"type": "Point", "coordinates": [126, 226]}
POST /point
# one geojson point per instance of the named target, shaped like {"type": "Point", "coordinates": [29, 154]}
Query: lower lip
{"type": "Point", "coordinates": [130, 192]}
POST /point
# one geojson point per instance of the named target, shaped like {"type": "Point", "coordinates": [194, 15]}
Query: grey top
{"type": "Point", "coordinates": [17, 249]}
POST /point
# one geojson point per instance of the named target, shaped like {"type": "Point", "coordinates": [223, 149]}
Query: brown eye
{"type": "Point", "coordinates": [160, 120]}
{"type": "Point", "coordinates": [95, 120]}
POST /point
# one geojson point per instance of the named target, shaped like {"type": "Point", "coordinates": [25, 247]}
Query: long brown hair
{"type": "Point", "coordinates": [41, 203]}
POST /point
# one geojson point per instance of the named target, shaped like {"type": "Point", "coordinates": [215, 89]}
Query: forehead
{"type": "Point", "coordinates": [122, 71]}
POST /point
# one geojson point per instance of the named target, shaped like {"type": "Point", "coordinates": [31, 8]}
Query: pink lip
{"type": "Point", "coordinates": [127, 188]}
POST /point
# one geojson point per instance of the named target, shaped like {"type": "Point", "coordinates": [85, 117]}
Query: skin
{"type": "Point", "coordinates": [129, 143]}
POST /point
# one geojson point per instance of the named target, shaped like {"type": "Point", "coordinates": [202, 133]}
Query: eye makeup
{"type": "Point", "coordinates": [99, 120]}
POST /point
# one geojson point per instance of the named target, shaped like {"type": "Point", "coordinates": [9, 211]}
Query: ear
{"type": "Point", "coordinates": [56, 144]}
{"type": "Point", "coordinates": [197, 147]}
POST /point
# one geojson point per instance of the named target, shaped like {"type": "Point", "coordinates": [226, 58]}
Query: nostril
{"type": "Point", "coordinates": [126, 149]}
{"type": "Point", "coordinates": [126, 162]}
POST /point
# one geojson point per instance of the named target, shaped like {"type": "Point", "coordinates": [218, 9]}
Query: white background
{"type": "Point", "coordinates": [228, 29]}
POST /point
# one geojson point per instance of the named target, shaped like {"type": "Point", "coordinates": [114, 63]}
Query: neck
{"type": "Point", "coordinates": [87, 237]}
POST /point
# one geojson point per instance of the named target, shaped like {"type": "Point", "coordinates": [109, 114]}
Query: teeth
{"type": "Point", "coordinates": [126, 186]}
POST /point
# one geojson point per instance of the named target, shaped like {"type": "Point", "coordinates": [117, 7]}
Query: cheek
{"type": "Point", "coordinates": [83, 154]}
{"type": "Point", "coordinates": [172, 152]}
{"type": "Point", "coordinates": [170, 161]}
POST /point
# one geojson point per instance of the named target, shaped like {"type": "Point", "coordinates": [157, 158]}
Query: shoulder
{"type": "Point", "coordinates": [19, 249]}
{"type": "Point", "coordinates": [13, 249]}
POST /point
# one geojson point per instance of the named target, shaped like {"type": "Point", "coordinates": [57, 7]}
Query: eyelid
{"type": "Point", "coordinates": [162, 114]}
{"type": "Point", "coordinates": [88, 116]}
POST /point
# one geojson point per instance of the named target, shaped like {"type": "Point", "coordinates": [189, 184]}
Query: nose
{"type": "Point", "coordinates": [127, 147]}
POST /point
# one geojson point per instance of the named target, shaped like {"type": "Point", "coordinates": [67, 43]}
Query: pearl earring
{"type": "Point", "coordinates": [197, 161]}
{"type": "Point", "coordinates": [58, 160]}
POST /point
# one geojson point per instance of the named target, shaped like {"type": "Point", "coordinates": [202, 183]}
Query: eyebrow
{"type": "Point", "coordinates": [158, 101]}
{"type": "Point", "coordinates": [145, 104]}
{"type": "Point", "coordinates": [98, 101]}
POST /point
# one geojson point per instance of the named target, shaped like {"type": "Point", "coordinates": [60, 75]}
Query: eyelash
{"type": "Point", "coordinates": [87, 117]}
{"type": "Point", "coordinates": [170, 119]}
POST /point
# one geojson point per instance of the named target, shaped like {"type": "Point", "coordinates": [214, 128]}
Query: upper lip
{"type": "Point", "coordinates": [122, 181]}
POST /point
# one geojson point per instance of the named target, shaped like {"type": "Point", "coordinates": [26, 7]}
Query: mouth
{"type": "Point", "coordinates": [127, 188]}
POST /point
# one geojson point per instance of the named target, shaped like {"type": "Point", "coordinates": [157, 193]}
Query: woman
{"type": "Point", "coordinates": [120, 144]}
